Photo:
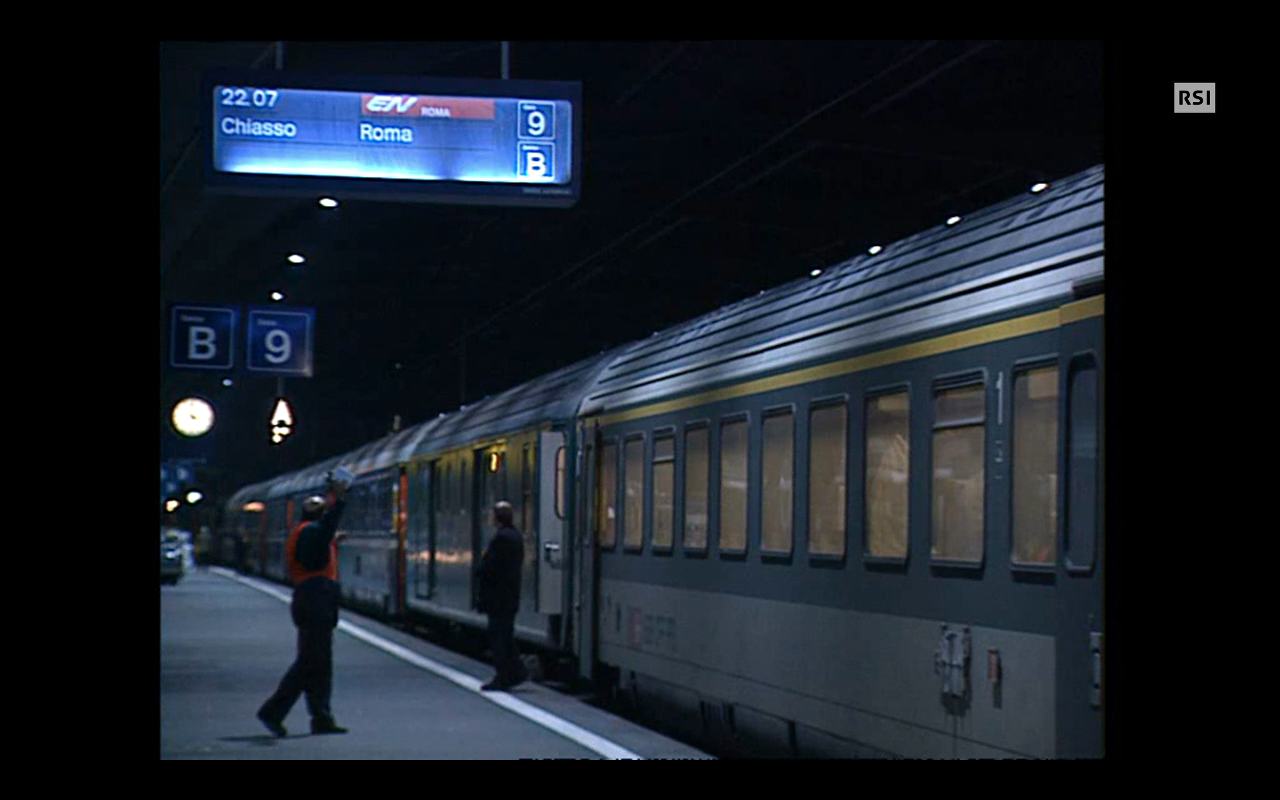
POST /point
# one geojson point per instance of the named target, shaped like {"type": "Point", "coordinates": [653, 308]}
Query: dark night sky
{"type": "Point", "coordinates": [712, 170]}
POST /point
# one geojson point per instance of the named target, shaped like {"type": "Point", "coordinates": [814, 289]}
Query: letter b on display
{"type": "Point", "coordinates": [537, 161]}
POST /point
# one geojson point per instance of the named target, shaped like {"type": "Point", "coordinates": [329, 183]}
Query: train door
{"type": "Point", "coordinates": [452, 535]}
{"type": "Point", "coordinates": [422, 549]}
{"type": "Point", "coordinates": [491, 486]}
{"type": "Point", "coordinates": [260, 558]}
{"type": "Point", "coordinates": [402, 540]}
{"type": "Point", "coordinates": [584, 542]}
{"type": "Point", "coordinates": [551, 513]}
{"type": "Point", "coordinates": [1081, 650]}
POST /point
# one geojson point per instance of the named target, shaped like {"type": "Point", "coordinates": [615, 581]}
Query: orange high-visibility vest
{"type": "Point", "coordinates": [299, 573]}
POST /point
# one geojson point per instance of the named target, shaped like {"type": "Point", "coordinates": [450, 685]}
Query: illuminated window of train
{"type": "Point", "coordinates": [633, 480]}
{"type": "Point", "coordinates": [560, 483]}
{"type": "Point", "coordinates": [664, 490]}
{"type": "Point", "coordinates": [696, 487]}
{"type": "Point", "coordinates": [778, 459]}
{"type": "Point", "coordinates": [959, 479]}
{"type": "Point", "coordinates": [827, 431]}
{"type": "Point", "coordinates": [733, 486]}
{"type": "Point", "coordinates": [1035, 466]}
{"type": "Point", "coordinates": [888, 466]}
{"type": "Point", "coordinates": [607, 502]}
{"type": "Point", "coordinates": [1083, 464]}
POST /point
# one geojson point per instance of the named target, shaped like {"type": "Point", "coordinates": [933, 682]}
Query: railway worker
{"type": "Point", "coordinates": [500, 597]}
{"type": "Point", "coordinates": [311, 553]}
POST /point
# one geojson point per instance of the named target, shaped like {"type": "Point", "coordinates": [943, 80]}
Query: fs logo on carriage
{"type": "Point", "coordinates": [1194, 98]}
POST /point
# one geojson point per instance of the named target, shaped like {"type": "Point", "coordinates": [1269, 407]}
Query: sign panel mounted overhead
{"type": "Point", "coordinates": [475, 142]}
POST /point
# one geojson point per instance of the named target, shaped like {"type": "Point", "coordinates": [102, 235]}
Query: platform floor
{"type": "Point", "coordinates": [226, 640]}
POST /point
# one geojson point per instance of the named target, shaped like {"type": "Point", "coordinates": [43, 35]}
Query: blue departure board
{"type": "Point", "coordinates": [433, 140]}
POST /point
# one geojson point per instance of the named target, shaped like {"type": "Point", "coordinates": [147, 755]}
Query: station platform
{"type": "Point", "coordinates": [227, 639]}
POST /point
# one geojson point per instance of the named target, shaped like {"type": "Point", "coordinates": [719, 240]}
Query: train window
{"type": "Point", "coordinates": [1035, 465]}
{"type": "Point", "coordinates": [827, 431]}
{"type": "Point", "coordinates": [778, 457]}
{"type": "Point", "coordinates": [1082, 466]}
{"type": "Point", "coordinates": [958, 476]}
{"type": "Point", "coordinates": [633, 481]}
{"type": "Point", "coordinates": [664, 490]}
{"type": "Point", "coordinates": [888, 467]}
{"type": "Point", "coordinates": [733, 486]}
{"type": "Point", "coordinates": [697, 481]}
{"type": "Point", "coordinates": [560, 482]}
{"type": "Point", "coordinates": [606, 495]}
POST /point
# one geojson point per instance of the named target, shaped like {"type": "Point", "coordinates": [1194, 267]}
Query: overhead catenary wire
{"type": "Point", "coordinates": [456, 345]}
{"type": "Point", "coordinates": [879, 105]}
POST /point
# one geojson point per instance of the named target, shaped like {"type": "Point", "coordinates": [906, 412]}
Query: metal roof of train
{"type": "Point", "coordinates": [552, 396]}
{"type": "Point", "coordinates": [245, 494]}
{"type": "Point", "coordinates": [956, 269]}
{"type": "Point", "coordinates": [845, 307]}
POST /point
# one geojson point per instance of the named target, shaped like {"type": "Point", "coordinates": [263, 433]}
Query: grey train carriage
{"type": "Point", "coordinates": [857, 515]}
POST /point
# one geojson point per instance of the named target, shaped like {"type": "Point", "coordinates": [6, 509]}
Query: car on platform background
{"type": "Point", "coordinates": [172, 556]}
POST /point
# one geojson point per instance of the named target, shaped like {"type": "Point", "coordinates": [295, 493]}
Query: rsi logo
{"type": "Point", "coordinates": [389, 103]}
{"type": "Point", "coordinates": [1195, 98]}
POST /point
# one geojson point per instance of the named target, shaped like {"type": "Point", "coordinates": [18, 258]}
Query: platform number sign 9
{"type": "Point", "coordinates": [280, 342]}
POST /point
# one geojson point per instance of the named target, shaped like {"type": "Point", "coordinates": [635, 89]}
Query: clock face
{"type": "Point", "coordinates": [193, 417]}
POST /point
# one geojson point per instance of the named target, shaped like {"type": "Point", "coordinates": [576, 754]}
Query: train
{"type": "Point", "coordinates": [859, 515]}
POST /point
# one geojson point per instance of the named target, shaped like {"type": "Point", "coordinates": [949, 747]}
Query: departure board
{"type": "Point", "coordinates": [447, 141]}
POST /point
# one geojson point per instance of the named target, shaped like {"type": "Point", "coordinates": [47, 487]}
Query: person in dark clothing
{"type": "Point", "coordinates": [500, 597]}
{"type": "Point", "coordinates": [311, 553]}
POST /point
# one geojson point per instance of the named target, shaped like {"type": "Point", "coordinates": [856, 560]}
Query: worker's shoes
{"type": "Point", "coordinates": [321, 725]}
{"type": "Point", "coordinates": [272, 725]}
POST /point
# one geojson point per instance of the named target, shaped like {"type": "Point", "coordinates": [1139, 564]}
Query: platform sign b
{"type": "Point", "coordinates": [202, 337]}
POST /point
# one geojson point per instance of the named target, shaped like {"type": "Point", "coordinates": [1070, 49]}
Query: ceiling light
{"type": "Point", "coordinates": [875, 248]}
{"type": "Point", "coordinates": [328, 202]}
{"type": "Point", "coordinates": [296, 259]}
{"type": "Point", "coordinates": [226, 381]}
{"type": "Point", "coordinates": [1039, 187]}
{"type": "Point", "coordinates": [815, 273]}
{"type": "Point", "coordinates": [277, 296]}
{"type": "Point", "coordinates": [953, 220]}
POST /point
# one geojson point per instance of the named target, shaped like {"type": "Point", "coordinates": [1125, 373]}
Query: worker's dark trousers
{"type": "Point", "coordinates": [315, 613]}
